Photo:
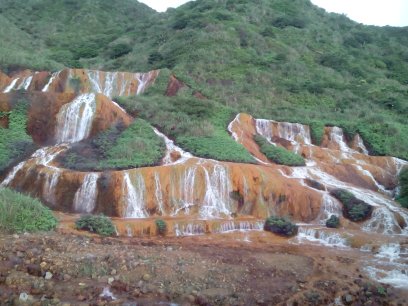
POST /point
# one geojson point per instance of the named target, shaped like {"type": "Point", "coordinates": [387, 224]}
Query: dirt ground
{"type": "Point", "coordinates": [255, 268]}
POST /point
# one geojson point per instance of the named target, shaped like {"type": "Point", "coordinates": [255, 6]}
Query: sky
{"type": "Point", "coordinates": [373, 12]}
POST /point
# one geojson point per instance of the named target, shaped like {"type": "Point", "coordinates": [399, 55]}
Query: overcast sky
{"type": "Point", "coordinates": [377, 12]}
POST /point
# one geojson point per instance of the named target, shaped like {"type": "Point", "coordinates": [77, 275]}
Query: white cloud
{"type": "Point", "coordinates": [162, 5]}
{"type": "Point", "coordinates": [373, 12]}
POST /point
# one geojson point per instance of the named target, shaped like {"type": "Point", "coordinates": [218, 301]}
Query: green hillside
{"type": "Point", "coordinates": [277, 59]}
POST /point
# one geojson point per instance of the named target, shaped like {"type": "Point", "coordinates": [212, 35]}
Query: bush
{"type": "Point", "coordinates": [333, 222]}
{"type": "Point", "coordinates": [161, 227]}
{"type": "Point", "coordinates": [277, 154]}
{"type": "Point", "coordinates": [403, 182]}
{"type": "Point", "coordinates": [20, 213]}
{"type": "Point", "coordinates": [280, 226]}
{"type": "Point", "coordinates": [99, 224]}
{"type": "Point", "coordinates": [353, 208]}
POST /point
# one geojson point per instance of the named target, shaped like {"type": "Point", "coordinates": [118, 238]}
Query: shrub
{"type": "Point", "coordinates": [20, 213]}
{"type": "Point", "coordinates": [280, 226]}
{"type": "Point", "coordinates": [99, 224]}
{"type": "Point", "coordinates": [161, 227]}
{"type": "Point", "coordinates": [353, 208]}
{"type": "Point", "coordinates": [277, 154]}
{"type": "Point", "coordinates": [403, 182]}
{"type": "Point", "coordinates": [333, 222]}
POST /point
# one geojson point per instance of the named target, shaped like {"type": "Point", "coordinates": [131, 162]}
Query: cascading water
{"type": "Point", "coordinates": [159, 194]}
{"type": "Point", "coordinates": [337, 137]}
{"type": "Point", "coordinates": [41, 157]}
{"type": "Point", "coordinates": [186, 192]}
{"type": "Point", "coordinates": [330, 206]}
{"type": "Point", "coordinates": [25, 83]}
{"type": "Point", "coordinates": [171, 148]}
{"type": "Point", "coordinates": [74, 120]}
{"type": "Point", "coordinates": [264, 128]}
{"type": "Point", "coordinates": [217, 196]}
{"type": "Point", "coordinates": [11, 86]}
{"type": "Point", "coordinates": [320, 236]}
{"type": "Point", "coordinates": [51, 181]}
{"type": "Point", "coordinates": [134, 196]}
{"type": "Point", "coordinates": [243, 226]}
{"type": "Point", "coordinates": [359, 143]}
{"type": "Point", "coordinates": [53, 77]}
{"type": "Point", "coordinates": [85, 197]}
{"type": "Point", "coordinates": [294, 131]}
{"type": "Point", "coordinates": [189, 229]}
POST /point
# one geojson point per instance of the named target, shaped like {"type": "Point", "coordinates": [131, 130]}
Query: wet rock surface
{"type": "Point", "coordinates": [70, 269]}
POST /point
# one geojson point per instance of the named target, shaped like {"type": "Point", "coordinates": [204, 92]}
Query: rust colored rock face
{"type": "Point", "coordinates": [185, 187]}
{"type": "Point", "coordinates": [4, 81]}
{"type": "Point", "coordinates": [174, 86]}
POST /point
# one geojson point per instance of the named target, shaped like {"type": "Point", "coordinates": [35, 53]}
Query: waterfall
{"type": "Point", "coordinates": [74, 120]}
{"type": "Point", "coordinates": [11, 86]}
{"type": "Point", "coordinates": [186, 191]}
{"type": "Point", "coordinates": [159, 194]}
{"type": "Point", "coordinates": [217, 194]}
{"type": "Point", "coordinates": [134, 196]}
{"type": "Point", "coordinates": [320, 236]}
{"type": "Point", "coordinates": [51, 181]}
{"type": "Point", "coordinates": [337, 136]}
{"type": "Point", "coordinates": [243, 226]}
{"type": "Point", "coordinates": [53, 77]}
{"type": "Point", "coordinates": [233, 134]}
{"type": "Point", "coordinates": [10, 177]}
{"type": "Point", "coordinates": [85, 197]}
{"type": "Point", "coordinates": [25, 83]}
{"type": "Point", "coordinates": [382, 221]}
{"type": "Point", "coordinates": [189, 229]}
{"type": "Point", "coordinates": [330, 206]}
{"type": "Point", "coordinates": [142, 79]}
{"type": "Point", "coordinates": [170, 149]}
{"type": "Point", "coordinates": [292, 131]}
{"type": "Point", "coordinates": [264, 128]}
{"type": "Point", "coordinates": [360, 144]}
{"type": "Point", "coordinates": [42, 157]}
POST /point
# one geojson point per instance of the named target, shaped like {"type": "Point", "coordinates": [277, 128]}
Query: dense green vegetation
{"type": "Point", "coordinates": [403, 184]}
{"type": "Point", "coordinates": [277, 59]}
{"type": "Point", "coordinates": [277, 154]}
{"type": "Point", "coordinates": [353, 208]}
{"type": "Point", "coordinates": [333, 222]}
{"type": "Point", "coordinates": [20, 213]}
{"type": "Point", "coordinates": [99, 224]}
{"type": "Point", "coordinates": [117, 148]}
{"type": "Point", "coordinates": [14, 140]}
{"type": "Point", "coordinates": [197, 125]}
{"type": "Point", "coordinates": [280, 226]}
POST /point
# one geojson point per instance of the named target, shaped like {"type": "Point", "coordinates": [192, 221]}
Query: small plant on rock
{"type": "Point", "coordinates": [280, 226]}
{"type": "Point", "coordinates": [99, 224]}
{"type": "Point", "coordinates": [161, 227]}
{"type": "Point", "coordinates": [333, 222]}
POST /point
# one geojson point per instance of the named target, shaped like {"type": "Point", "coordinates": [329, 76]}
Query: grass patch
{"type": "Point", "coordinates": [99, 224]}
{"type": "Point", "coordinates": [353, 208]}
{"type": "Point", "coordinates": [277, 154]}
{"type": "Point", "coordinates": [117, 148]}
{"type": "Point", "coordinates": [14, 140]}
{"type": "Point", "coordinates": [20, 213]}
{"type": "Point", "coordinates": [198, 126]}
